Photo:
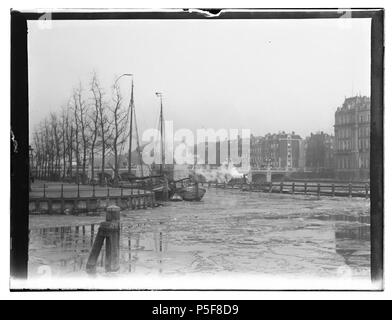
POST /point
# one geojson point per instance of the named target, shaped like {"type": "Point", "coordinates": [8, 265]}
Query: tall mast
{"type": "Point", "coordinates": [159, 94]}
{"type": "Point", "coordinates": [130, 131]}
{"type": "Point", "coordinates": [162, 149]}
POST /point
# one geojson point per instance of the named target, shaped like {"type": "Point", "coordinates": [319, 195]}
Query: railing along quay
{"type": "Point", "coordinates": [73, 199]}
{"type": "Point", "coordinates": [304, 188]}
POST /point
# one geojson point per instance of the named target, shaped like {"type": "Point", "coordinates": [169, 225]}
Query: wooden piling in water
{"type": "Point", "coordinates": [293, 188]}
{"type": "Point", "coordinates": [318, 191]}
{"type": "Point", "coordinates": [350, 190]}
{"type": "Point", "coordinates": [112, 262]}
{"type": "Point", "coordinates": [91, 266]}
{"type": "Point", "coordinates": [333, 190]}
{"type": "Point", "coordinates": [108, 232]}
{"type": "Point", "coordinates": [366, 191]}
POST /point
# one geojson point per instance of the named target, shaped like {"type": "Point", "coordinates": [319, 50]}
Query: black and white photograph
{"type": "Point", "coordinates": [198, 150]}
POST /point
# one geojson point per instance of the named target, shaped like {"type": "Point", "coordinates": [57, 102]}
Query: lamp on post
{"type": "Point", "coordinates": [131, 106]}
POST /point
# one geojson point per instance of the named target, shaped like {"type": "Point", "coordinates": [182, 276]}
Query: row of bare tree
{"type": "Point", "coordinates": [92, 126]}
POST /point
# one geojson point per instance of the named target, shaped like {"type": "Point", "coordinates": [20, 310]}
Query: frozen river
{"type": "Point", "coordinates": [228, 232]}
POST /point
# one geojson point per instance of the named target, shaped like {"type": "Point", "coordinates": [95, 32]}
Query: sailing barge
{"type": "Point", "coordinates": [191, 193]}
{"type": "Point", "coordinates": [158, 182]}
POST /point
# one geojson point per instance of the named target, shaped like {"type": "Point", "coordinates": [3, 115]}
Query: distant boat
{"type": "Point", "coordinates": [191, 193]}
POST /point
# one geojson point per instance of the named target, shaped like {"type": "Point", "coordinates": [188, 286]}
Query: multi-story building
{"type": "Point", "coordinates": [281, 150]}
{"type": "Point", "coordinates": [319, 152]}
{"type": "Point", "coordinates": [352, 138]}
{"type": "Point", "coordinates": [256, 155]}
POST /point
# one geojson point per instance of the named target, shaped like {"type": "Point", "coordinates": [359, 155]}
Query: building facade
{"type": "Point", "coordinates": [319, 152]}
{"type": "Point", "coordinates": [281, 150]}
{"type": "Point", "coordinates": [352, 139]}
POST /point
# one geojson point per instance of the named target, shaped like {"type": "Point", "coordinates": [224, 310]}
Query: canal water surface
{"type": "Point", "coordinates": [229, 231]}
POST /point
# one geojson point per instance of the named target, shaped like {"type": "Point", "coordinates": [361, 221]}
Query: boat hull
{"type": "Point", "coordinates": [191, 193]}
{"type": "Point", "coordinates": [160, 195]}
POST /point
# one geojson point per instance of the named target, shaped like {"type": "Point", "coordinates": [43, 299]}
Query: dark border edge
{"type": "Point", "coordinates": [19, 117]}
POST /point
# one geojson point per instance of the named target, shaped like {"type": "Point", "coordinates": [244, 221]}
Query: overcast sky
{"type": "Point", "coordinates": [264, 75]}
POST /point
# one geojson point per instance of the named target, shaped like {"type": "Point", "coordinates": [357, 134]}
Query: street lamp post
{"type": "Point", "coordinates": [131, 106]}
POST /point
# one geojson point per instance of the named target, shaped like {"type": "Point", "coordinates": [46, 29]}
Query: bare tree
{"type": "Point", "coordinates": [55, 145]}
{"type": "Point", "coordinates": [95, 123]}
{"type": "Point", "coordinates": [76, 145]}
{"type": "Point", "coordinates": [49, 146]}
{"type": "Point", "coordinates": [104, 125]}
{"type": "Point", "coordinates": [82, 119]}
{"type": "Point", "coordinates": [119, 135]}
{"type": "Point", "coordinates": [70, 130]}
{"type": "Point", "coordinates": [79, 132]}
{"type": "Point", "coordinates": [67, 132]}
{"type": "Point", "coordinates": [39, 151]}
{"type": "Point", "coordinates": [44, 164]}
{"type": "Point", "coordinates": [64, 141]}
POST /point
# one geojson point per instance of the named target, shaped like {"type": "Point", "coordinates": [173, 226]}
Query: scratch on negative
{"type": "Point", "coordinates": [14, 142]}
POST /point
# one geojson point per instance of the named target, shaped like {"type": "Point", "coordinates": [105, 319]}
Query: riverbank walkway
{"type": "Point", "coordinates": [67, 198]}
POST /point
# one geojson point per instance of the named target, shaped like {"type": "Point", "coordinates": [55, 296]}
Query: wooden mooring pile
{"type": "Point", "coordinates": [108, 233]}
